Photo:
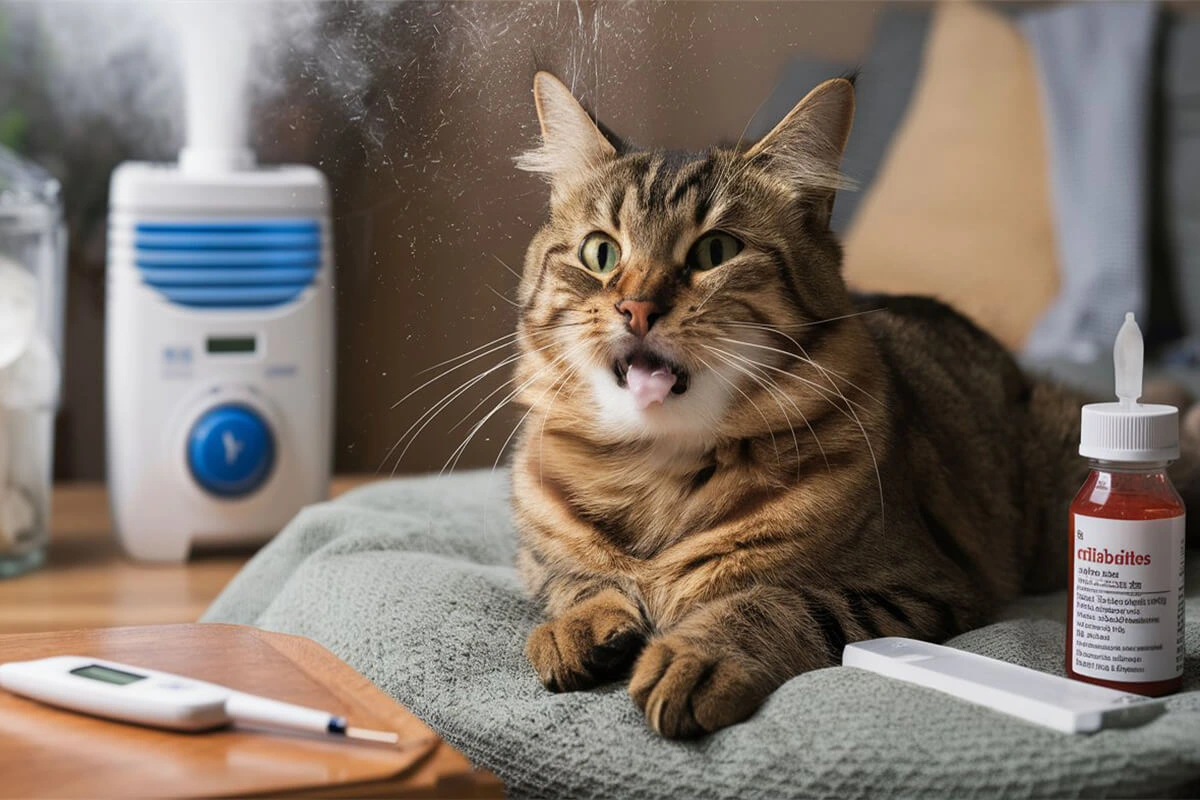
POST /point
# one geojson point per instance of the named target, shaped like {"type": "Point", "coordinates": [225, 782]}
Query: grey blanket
{"type": "Point", "coordinates": [411, 582]}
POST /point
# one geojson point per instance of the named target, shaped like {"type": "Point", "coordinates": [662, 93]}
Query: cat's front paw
{"type": "Point", "coordinates": [592, 643]}
{"type": "Point", "coordinates": [686, 690]}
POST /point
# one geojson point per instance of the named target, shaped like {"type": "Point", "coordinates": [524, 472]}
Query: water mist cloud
{"type": "Point", "coordinates": [143, 66]}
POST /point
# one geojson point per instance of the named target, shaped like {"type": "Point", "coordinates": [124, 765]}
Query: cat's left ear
{"type": "Point", "coordinates": [806, 147]}
{"type": "Point", "coordinates": [571, 141]}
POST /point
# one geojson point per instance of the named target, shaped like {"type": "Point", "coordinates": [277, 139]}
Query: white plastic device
{"type": "Point", "coordinates": [162, 700]}
{"type": "Point", "coordinates": [1043, 699]}
{"type": "Point", "coordinates": [219, 353]}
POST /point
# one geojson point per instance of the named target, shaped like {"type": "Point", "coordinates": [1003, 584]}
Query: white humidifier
{"type": "Point", "coordinates": [220, 348]}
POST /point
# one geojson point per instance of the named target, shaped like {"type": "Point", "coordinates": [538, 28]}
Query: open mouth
{"type": "Point", "coordinates": [650, 377]}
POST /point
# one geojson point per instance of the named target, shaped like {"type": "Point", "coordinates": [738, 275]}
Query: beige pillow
{"type": "Point", "coordinates": [960, 209]}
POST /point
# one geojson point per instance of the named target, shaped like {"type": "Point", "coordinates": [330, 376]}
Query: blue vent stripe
{"type": "Point", "coordinates": [229, 263]}
{"type": "Point", "coordinates": [233, 277]}
{"type": "Point", "coordinates": [227, 258]}
{"type": "Point", "coordinates": [230, 296]}
{"type": "Point", "coordinates": [220, 241]}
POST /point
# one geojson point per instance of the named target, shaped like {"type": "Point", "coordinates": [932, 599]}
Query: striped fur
{"type": "Point", "coordinates": [839, 468]}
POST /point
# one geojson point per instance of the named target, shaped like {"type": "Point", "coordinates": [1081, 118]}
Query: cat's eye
{"type": "Point", "coordinates": [600, 253]}
{"type": "Point", "coordinates": [712, 250]}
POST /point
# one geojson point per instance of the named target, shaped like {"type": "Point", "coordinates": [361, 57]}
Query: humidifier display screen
{"type": "Point", "coordinates": [231, 344]}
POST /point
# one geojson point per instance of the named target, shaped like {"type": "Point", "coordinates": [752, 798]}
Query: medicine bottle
{"type": "Point", "coordinates": [1125, 616]}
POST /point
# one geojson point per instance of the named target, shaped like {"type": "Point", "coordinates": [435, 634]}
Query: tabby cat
{"type": "Point", "coordinates": [731, 466]}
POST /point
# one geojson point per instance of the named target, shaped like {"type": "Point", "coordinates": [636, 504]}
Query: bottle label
{"type": "Point", "coordinates": [1128, 603]}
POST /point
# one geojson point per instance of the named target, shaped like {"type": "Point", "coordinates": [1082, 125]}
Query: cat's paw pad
{"type": "Point", "coordinates": [585, 647]}
{"type": "Point", "coordinates": [686, 691]}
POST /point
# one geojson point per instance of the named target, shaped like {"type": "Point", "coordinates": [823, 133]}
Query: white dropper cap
{"type": "Point", "coordinates": [1128, 430]}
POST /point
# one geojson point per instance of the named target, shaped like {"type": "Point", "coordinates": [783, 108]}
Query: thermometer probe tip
{"type": "Point", "coordinates": [367, 735]}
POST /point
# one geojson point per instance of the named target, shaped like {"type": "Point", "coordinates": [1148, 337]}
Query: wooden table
{"type": "Point", "coordinates": [88, 583]}
{"type": "Point", "coordinates": [48, 752]}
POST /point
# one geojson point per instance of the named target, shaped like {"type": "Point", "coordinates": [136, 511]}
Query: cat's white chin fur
{"type": "Point", "coordinates": [690, 417]}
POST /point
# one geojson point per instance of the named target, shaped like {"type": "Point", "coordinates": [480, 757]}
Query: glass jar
{"type": "Point", "coordinates": [32, 286]}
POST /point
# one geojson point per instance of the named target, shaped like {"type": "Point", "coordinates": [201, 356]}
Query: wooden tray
{"type": "Point", "coordinates": [47, 752]}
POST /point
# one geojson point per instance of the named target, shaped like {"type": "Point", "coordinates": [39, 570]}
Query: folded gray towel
{"type": "Point", "coordinates": [411, 582]}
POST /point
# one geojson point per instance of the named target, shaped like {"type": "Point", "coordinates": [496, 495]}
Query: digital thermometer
{"type": "Point", "coordinates": [1043, 699]}
{"type": "Point", "coordinates": [162, 700]}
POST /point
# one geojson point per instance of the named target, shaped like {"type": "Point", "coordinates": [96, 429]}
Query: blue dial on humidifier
{"type": "Point", "coordinates": [231, 451]}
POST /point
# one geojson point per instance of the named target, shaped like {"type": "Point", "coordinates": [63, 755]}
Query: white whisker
{"type": "Point", "coordinates": [542, 434]}
{"type": "Point", "coordinates": [444, 373]}
{"type": "Point", "coordinates": [795, 442]}
{"type": "Point", "coordinates": [738, 389]}
{"type": "Point", "coordinates": [515, 274]}
{"type": "Point", "coordinates": [560, 383]}
{"type": "Point", "coordinates": [462, 447]}
{"type": "Point", "coordinates": [719, 285]}
{"type": "Point", "coordinates": [502, 296]}
{"type": "Point", "coordinates": [805, 358]}
{"type": "Point", "coordinates": [818, 388]}
{"type": "Point", "coordinates": [437, 408]}
{"type": "Point", "coordinates": [850, 404]}
{"type": "Point", "coordinates": [830, 319]}
{"type": "Point", "coordinates": [505, 337]}
{"type": "Point", "coordinates": [545, 419]}
{"type": "Point", "coordinates": [441, 405]}
{"type": "Point", "coordinates": [497, 390]}
{"type": "Point", "coordinates": [754, 364]}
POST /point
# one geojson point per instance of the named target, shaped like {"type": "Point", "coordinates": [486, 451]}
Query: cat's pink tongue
{"type": "Point", "coordinates": [648, 385]}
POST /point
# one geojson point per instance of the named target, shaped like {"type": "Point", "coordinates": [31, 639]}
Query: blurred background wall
{"type": "Point", "coordinates": [415, 111]}
{"type": "Point", "coordinates": [428, 208]}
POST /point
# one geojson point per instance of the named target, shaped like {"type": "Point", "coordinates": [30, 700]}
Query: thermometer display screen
{"type": "Point", "coordinates": [106, 674]}
{"type": "Point", "coordinates": [231, 344]}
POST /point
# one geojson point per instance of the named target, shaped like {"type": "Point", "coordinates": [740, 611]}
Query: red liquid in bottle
{"type": "Point", "coordinates": [1129, 493]}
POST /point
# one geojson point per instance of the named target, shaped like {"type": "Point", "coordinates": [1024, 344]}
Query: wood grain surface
{"type": "Point", "coordinates": [87, 581]}
{"type": "Point", "coordinates": [47, 752]}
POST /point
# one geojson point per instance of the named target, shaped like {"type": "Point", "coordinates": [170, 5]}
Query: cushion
{"type": "Point", "coordinates": [412, 583]}
{"type": "Point", "coordinates": [960, 209]}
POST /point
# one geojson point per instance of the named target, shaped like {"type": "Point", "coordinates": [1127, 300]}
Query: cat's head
{"type": "Point", "coordinates": [648, 295]}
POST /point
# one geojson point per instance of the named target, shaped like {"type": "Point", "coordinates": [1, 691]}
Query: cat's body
{"type": "Point", "coordinates": [822, 469]}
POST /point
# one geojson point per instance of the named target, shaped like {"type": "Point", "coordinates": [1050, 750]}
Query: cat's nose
{"type": "Point", "coordinates": [640, 315]}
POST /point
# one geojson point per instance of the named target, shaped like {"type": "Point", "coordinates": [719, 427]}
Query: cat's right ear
{"type": "Point", "coordinates": [571, 141]}
{"type": "Point", "coordinates": [806, 147]}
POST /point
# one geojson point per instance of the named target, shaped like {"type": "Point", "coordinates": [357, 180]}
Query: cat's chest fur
{"type": "Point", "coordinates": [644, 499]}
